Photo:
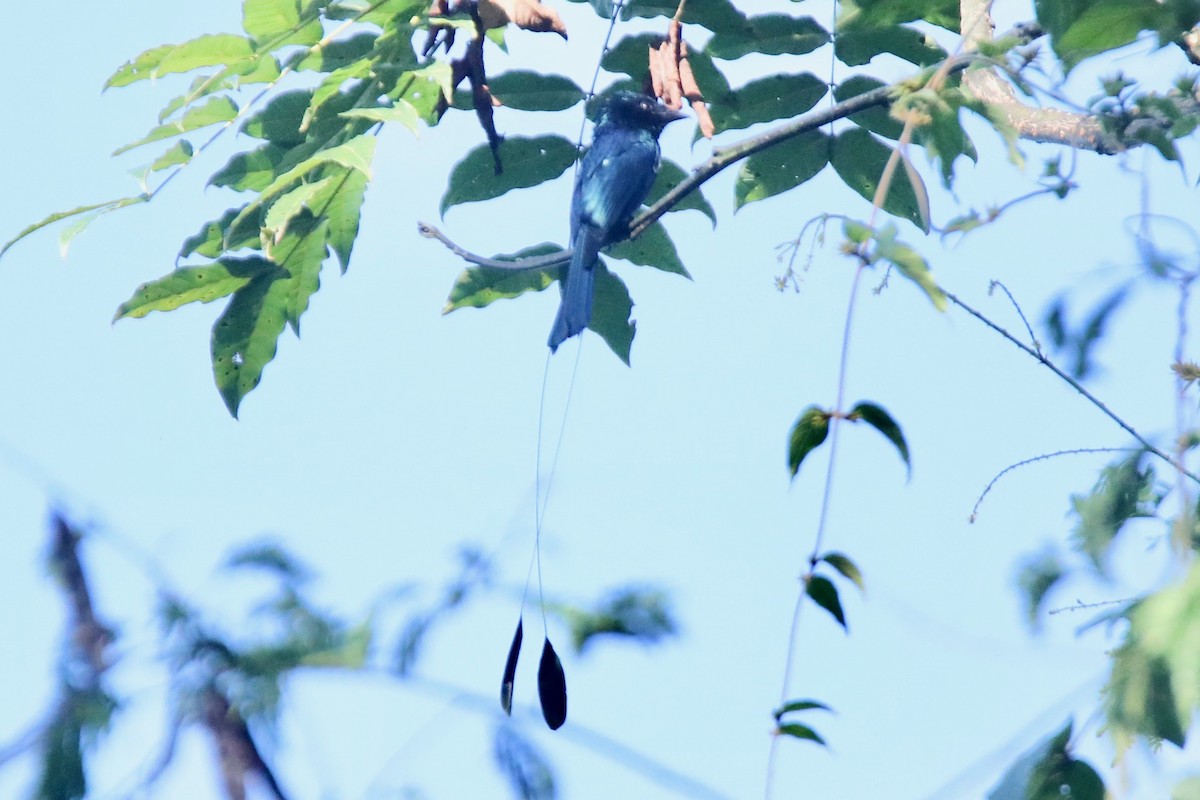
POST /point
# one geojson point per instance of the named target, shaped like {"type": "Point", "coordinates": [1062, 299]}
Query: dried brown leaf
{"type": "Point", "coordinates": [529, 15]}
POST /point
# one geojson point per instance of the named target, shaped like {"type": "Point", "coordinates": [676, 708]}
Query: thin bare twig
{"type": "Point", "coordinates": [1020, 313]}
{"type": "Point", "coordinates": [1097, 402]}
{"type": "Point", "coordinates": [518, 265]}
{"type": "Point", "coordinates": [1043, 457]}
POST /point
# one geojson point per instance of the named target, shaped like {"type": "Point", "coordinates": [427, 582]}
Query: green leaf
{"type": "Point", "coordinates": [876, 120]}
{"type": "Point", "coordinates": [204, 51]}
{"type": "Point", "coordinates": [1154, 690]}
{"type": "Point", "coordinates": [400, 111]}
{"type": "Point", "coordinates": [289, 204]}
{"type": "Point", "coordinates": [878, 13]}
{"type": "Point", "coordinates": [857, 46]}
{"type": "Point", "coordinates": [194, 285]}
{"type": "Point", "coordinates": [338, 54]}
{"type": "Point", "coordinates": [533, 91]}
{"type": "Point", "coordinates": [769, 34]}
{"type": "Point", "coordinates": [216, 237]}
{"type": "Point", "coordinates": [629, 55]}
{"type": "Point", "coordinates": [101, 208]}
{"type": "Point", "coordinates": [1141, 697]}
{"type": "Point", "coordinates": [798, 731]}
{"type": "Point", "coordinates": [942, 134]}
{"type": "Point", "coordinates": [781, 167]}
{"type": "Point", "coordinates": [527, 162]}
{"type": "Point", "coordinates": [245, 336]}
{"type": "Point", "coordinates": [825, 594]}
{"type": "Point", "coordinates": [179, 153]}
{"type": "Point", "coordinates": [1037, 576]}
{"type": "Point", "coordinates": [350, 652]}
{"type": "Point", "coordinates": [716, 15]}
{"type": "Point", "coordinates": [859, 159]}
{"type": "Point", "coordinates": [1049, 772]}
{"type": "Point", "coordinates": [424, 88]}
{"type": "Point", "coordinates": [910, 263]}
{"type": "Point", "coordinates": [611, 309]}
{"type": "Point", "coordinates": [767, 99]}
{"type": "Point", "coordinates": [653, 248]}
{"type": "Point", "coordinates": [798, 705]}
{"type": "Point", "coordinates": [277, 22]}
{"type": "Point", "coordinates": [250, 171]}
{"type": "Point", "coordinates": [301, 252]}
{"type": "Point", "coordinates": [477, 287]}
{"type": "Point", "coordinates": [1123, 492]}
{"type": "Point", "coordinates": [217, 109]}
{"type": "Point", "coordinates": [669, 175]}
{"type": "Point", "coordinates": [343, 210]}
{"type": "Point", "coordinates": [201, 86]}
{"type": "Point", "coordinates": [1098, 26]}
{"type": "Point", "coordinates": [637, 614]}
{"type": "Point", "coordinates": [330, 89]}
{"type": "Point", "coordinates": [1187, 789]}
{"type": "Point", "coordinates": [279, 120]}
{"type": "Point", "coordinates": [846, 567]}
{"type": "Point", "coordinates": [355, 154]}
{"type": "Point", "coordinates": [881, 421]}
{"type": "Point", "coordinates": [808, 433]}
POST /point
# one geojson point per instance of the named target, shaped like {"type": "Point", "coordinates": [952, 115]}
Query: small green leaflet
{"type": "Point", "coordinates": [769, 34]}
{"type": "Point", "coordinates": [767, 99]}
{"type": "Point", "coordinates": [825, 594]}
{"type": "Point", "coordinates": [670, 174]}
{"type": "Point", "coordinates": [201, 284]}
{"type": "Point", "coordinates": [846, 567]}
{"type": "Point", "coordinates": [881, 421]}
{"type": "Point", "coordinates": [204, 51]}
{"type": "Point", "coordinates": [611, 311]}
{"type": "Point", "coordinates": [400, 111]}
{"type": "Point", "coordinates": [859, 158]}
{"type": "Point", "coordinates": [653, 248]}
{"type": "Point", "coordinates": [217, 109]}
{"type": "Point", "coordinates": [527, 162]}
{"type": "Point", "coordinates": [526, 90]}
{"type": "Point", "coordinates": [477, 287]}
{"type": "Point", "coordinates": [781, 167]}
{"type": "Point", "coordinates": [246, 335]}
{"type": "Point", "coordinates": [808, 433]}
{"type": "Point", "coordinates": [1048, 771]}
{"type": "Point", "coordinates": [99, 208]}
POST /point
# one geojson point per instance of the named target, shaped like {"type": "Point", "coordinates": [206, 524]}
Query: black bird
{"type": "Point", "coordinates": [613, 180]}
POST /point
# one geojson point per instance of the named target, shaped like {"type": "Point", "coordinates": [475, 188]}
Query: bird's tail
{"type": "Point", "coordinates": [575, 311]}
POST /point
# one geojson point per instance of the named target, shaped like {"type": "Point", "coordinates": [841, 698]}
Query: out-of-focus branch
{"type": "Point", "coordinates": [1047, 125]}
{"type": "Point", "coordinates": [88, 635]}
{"type": "Point", "coordinates": [236, 751]}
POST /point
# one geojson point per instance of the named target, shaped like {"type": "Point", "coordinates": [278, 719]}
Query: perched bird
{"type": "Point", "coordinates": [613, 180]}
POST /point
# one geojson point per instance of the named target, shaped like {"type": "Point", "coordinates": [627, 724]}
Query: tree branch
{"type": "Point", "coordinates": [1045, 125]}
{"type": "Point", "coordinates": [1097, 402]}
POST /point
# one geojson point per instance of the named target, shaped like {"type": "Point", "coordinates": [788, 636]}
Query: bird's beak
{"type": "Point", "coordinates": [669, 114]}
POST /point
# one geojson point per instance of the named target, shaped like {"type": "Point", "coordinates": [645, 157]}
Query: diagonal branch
{"type": "Point", "coordinates": [1074, 384]}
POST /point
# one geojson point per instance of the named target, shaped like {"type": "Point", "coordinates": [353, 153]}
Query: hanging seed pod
{"type": "Point", "coordinates": [552, 687]}
{"type": "Point", "coordinates": [510, 669]}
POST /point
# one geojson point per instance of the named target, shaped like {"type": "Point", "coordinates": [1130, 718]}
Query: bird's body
{"type": "Point", "coordinates": [614, 178]}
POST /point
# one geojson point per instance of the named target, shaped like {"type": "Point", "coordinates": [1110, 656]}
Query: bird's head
{"type": "Point", "coordinates": [637, 110]}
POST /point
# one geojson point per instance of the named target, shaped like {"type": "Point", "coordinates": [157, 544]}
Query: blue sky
{"type": "Point", "coordinates": [391, 434]}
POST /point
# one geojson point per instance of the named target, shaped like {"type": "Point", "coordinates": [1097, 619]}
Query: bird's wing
{"type": "Point", "coordinates": [614, 179]}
